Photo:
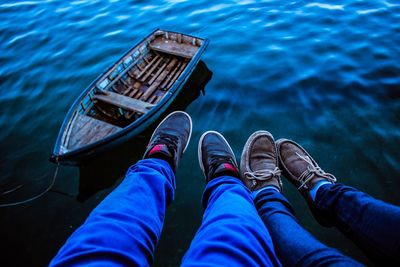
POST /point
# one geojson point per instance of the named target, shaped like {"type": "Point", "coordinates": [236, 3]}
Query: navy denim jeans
{"type": "Point", "coordinates": [370, 223]}
{"type": "Point", "coordinates": [373, 225]}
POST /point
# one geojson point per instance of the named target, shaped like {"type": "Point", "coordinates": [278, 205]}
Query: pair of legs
{"type": "Point", "coordinates": [125, 227]}
{"type": "Point", "coordinates": [123, 230]}
{"type": "Point", "coordinates": [371, 224]}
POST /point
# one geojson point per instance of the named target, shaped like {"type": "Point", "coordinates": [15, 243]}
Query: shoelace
{"type": "Point", "coordinates": [170, 141]}
{"type": "Point", "coordinates": [262, 175]}
{"type": "Point", "coordinates": [312, 171]}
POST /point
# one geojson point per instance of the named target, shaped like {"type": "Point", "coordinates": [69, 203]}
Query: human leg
{"type": "Point", "coordinates": [124, 228]}
{"type": "Point", "coordinates": [232, 233]}
{"type": "Point", "coordinates": [294, 245]}
{"type": "Point", "coordinates": [118, 232]}
{"type": "Point", "coordinates": [369, 223]}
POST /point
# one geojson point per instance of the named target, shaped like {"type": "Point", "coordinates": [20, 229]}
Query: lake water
{"type": "Point", "coordinates": [326, 74]}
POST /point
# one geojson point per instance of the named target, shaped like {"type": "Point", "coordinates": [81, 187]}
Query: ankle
{"type": "Point", "coordinates": [225, 169]}
{"type": "Point", "coordinates": [271, 188]}
{"type": "Point", "coordinates": [161, 151]}
{"type": "Point", "coordinates": [313, 191]}
{"type": "Point", "coordinates": [163, 157]}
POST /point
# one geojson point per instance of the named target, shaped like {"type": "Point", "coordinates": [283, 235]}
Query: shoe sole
{"type": "Point", "coordinates": [199, 151]}
{"type": "Point", "coordinates": [191, 126]}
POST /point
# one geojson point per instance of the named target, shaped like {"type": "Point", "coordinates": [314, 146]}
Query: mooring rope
{"type": "Point", "coordinates": [11, 190]}
{"type": "Point", "coordinates": [12, 204]}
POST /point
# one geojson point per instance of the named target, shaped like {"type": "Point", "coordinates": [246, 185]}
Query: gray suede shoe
{"type": "Point", "coordinates": [259, 163]}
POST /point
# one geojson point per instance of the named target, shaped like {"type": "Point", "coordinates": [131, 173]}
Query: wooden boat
{"type": "Point", "coordinates": [129, 96]}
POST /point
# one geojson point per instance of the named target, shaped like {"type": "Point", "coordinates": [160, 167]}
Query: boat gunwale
{"type": "Point", "coordinates": [57, 157]}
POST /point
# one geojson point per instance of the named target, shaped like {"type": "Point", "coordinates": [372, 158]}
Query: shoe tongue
{"type": "Point", "coordinates": [226, 169]}
{"type": "Point", "coordinates": [260, 160]}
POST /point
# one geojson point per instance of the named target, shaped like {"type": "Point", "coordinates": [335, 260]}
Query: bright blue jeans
{"type": "Point", "coordinates": [232, 233]}
{"type": "Point", "coordinates": [372, 224]}
{"type": "Point", "coordinates": [124, 228]}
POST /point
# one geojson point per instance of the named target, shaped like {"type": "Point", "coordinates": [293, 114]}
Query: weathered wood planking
{"type": "Point", "coordinates": [87, 130]}
{"type": "Point", "coordinates": [170, 76]}
{"type": "Point", "coordinates": [181, 68]}
{"type": "Point", "coordinates": [174, 48]}
{"type": "Point", "coordinates": [159, 79]}
{"type": "Point", "coordinates": [158, 72]}
{"type": "Point", "coordinates": [157, 60]}
{"type": "Point", "coordinates": [124, 102]}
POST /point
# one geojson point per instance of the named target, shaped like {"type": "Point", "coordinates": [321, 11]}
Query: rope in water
{"type": "Point", "coordinates": [12, 204]}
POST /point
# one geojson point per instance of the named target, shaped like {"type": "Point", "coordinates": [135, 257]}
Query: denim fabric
{"type": "Point", "coordinates": [232, 233]}
{"type": "Point", "coordinates": [293, 244]}
{"type": "Point", "coordinates": [124, 228]}
{"type": "Point", "coordinates": [370, 223]}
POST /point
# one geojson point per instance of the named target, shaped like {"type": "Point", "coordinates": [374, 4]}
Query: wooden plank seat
{"type": "Point", "coordinates": [174, 48]}
{"type": "Point", "coordinates": [124, 102]}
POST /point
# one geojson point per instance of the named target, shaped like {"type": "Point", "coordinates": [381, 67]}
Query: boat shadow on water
{"type": "Point", "coordinates": [103, 170]}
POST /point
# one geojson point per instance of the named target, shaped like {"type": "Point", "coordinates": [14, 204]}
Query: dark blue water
{"type": "Point", "coordinates": [326, 74]}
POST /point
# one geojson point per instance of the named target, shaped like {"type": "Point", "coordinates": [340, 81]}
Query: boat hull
{"type": "Point", "coordinates": [79, 155]}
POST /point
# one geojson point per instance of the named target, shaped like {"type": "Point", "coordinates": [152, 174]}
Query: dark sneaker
{"type": "Point", "coordinates": [170, 139]}
{"type": "Point", "coordinates": [216, 157]}
{"type": "Point", "coordinates": [259, 163]}
{"type": "Point", "coordinates": [302, 171]}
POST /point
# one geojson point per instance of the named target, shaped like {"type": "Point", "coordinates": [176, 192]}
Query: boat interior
{"type": "Point", "coordinates": [127, 91]}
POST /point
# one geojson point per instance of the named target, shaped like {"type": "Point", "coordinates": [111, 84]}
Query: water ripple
{"type": "Point", "coordinates": [324, 73]}
{"type": "Point", "coordinates": [326, 6]}
{"type": "Point", "coordinates": [20, 4]}
{"type": "Point", "coordinates": [214, 8]}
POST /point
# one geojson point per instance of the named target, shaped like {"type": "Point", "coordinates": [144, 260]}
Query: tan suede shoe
{"type": "Point", "coordinates": [302, 171]}
{"type": "Point", "coordinates": [259, 163]}
{"type": "Point", "coordinates": [299, 167]}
